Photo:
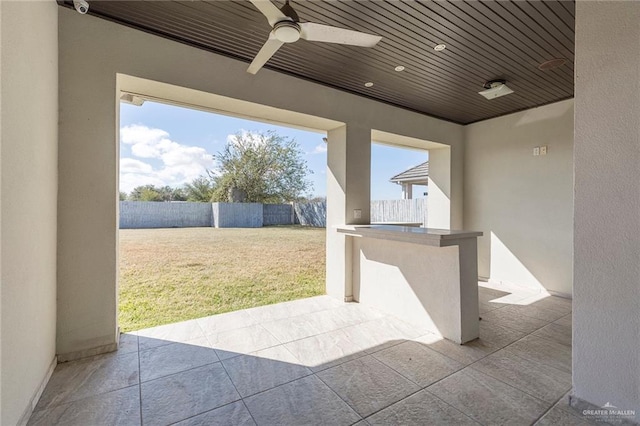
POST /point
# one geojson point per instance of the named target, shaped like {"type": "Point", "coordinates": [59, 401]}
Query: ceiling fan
{"type": "Point", "coordinates": [287, 28]}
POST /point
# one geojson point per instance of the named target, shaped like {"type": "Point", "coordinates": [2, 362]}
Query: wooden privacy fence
{"type": "Point", "coordinates": [400, 211]}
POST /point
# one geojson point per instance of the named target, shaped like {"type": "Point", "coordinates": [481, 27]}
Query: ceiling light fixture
{"type": "Point", "coordinates": [129, 98]}
{"type": "Point", "coordinates": [551, 64]}
{"type": "Point", "coordinates": [286, 31]}
{"type": "Point", "coordinates": [399, 68]}
{"type": "Point", "coordinates": [495, 89]}
{"type": "Point", "coordinates": [368, 84]}
{"type": "Point", "coordinates": [440, 47]}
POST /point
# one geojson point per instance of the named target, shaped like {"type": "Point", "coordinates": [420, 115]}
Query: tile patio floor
{"type": "Point", "coordinates": [320, 361]}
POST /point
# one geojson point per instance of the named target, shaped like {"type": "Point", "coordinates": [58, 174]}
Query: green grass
{"type": "Point", "coordinates": [169, 275]}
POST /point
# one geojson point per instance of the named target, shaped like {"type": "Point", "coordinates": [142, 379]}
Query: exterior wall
{"type": "Point", "coordinates": [28, 164]}
{"type": "Point", "coordinates": [522, 203]}
{"type": "Point", "coordinates": [237, 215]}
{"type": "Point", "coordinates": [606, 314]}
{"type": "Point", "coordinates": [151, 214]}
{"type": "Point", "coordinates": [88, 196]}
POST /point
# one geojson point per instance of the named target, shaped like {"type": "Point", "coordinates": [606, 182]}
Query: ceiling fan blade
{"type": "Point", "coordinates": [328, 34]}
{"type": "Point", "coordinates": [270, 11]}
{"type": "Point", "coordinates": [268, 50]}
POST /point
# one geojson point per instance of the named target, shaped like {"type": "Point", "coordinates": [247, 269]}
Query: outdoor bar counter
{"type": "Point", "coordinates": [422, 275]}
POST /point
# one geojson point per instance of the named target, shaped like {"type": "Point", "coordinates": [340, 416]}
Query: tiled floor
{"type": "Point", "coordinates": [319, 361]}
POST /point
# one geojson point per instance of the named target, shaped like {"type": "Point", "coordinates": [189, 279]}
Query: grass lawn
{"type": "Point", "coordinates": [169, 275]}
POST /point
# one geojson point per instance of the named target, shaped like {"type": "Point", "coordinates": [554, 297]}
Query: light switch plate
{"type": "Point", "coordinates": [536, 151]}
{"type": "Point", "coordinates": [357, 214]}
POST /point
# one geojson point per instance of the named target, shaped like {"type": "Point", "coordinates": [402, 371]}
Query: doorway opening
{"type": "Point", "coordinates": [189, 248]}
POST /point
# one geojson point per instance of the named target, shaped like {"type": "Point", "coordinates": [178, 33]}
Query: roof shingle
{"type": "Point", "coordinates": [418, 174]}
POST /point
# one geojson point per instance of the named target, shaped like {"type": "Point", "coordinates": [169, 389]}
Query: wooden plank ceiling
{"type": "Point", "coordinates": [484, 40]}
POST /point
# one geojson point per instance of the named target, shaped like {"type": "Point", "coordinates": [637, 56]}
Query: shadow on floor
{"type": "Point", "coordinates": [319, 361]}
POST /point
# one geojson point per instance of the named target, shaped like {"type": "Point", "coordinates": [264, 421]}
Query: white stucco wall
{"type": "Point", "coordinates": [606, 315]}
{"type": "Point", "coordinates": [88, 156]}
{"type": "Point", "coordinates": [28, 165]}
{"type": "Point", "coordinates": [522, 203]}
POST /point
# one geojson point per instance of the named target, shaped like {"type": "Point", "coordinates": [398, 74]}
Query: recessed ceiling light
{"type": "Point", "coordinates": [368, 84]}
{"type": "Point", "coordinates": [399, 68]}
{"type": "Point", "coordinates": [440, 47]}
{"type": "Point", "coordinates": [551, 64]}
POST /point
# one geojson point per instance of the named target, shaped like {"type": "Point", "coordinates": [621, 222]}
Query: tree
{"type": "Point", "coordinates": [260, 168]}
{"type": "Point", "coordinates": [153, 193]}
{"type": "Point", "coordinates": [145, 193]}
{"type": "Point", "coordinates": [123, 196]}
{"type": "Point", "coordinates": [178, 194]}
{"type": "Point", "coordinates": [168, 193]}
{"type": "Point", "coordinates": [200, 189]}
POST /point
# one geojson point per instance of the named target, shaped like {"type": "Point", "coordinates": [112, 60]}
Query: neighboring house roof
{"type": "Point", "coordinates": [418, 175]}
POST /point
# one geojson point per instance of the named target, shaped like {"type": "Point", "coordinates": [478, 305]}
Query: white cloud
{"type": "Point", "coordinates": [185, 155]}
{"type": "Point", "coordinates": [137, 134]}
{"type": "Point", "coordinates": [253, 138]}
{"type": "Point", "coordinates": [319, 149]}
{"type": "Point", "coordinates": [178, 163]}
{"type": "Point", "coordinates": [130, 165]}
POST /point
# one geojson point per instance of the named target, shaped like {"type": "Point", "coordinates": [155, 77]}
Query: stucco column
{"type": "Point", "coordinates": [606, 289]}
{"type": "Point", "coordinates": [348, 196]}
{"type": "Point", "coordinates": [439, 199]}
{"type": "Point", "coordinates": [87, 205]}
{"type": "Point", "coordinates": [407, 191]}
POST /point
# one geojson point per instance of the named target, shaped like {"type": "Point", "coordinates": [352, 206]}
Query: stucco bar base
{"type": "Point", "coordinates": [426, 276]}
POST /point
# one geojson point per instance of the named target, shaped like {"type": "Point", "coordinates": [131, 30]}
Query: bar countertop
{"type": "Point", "coordinates": [409, 234]}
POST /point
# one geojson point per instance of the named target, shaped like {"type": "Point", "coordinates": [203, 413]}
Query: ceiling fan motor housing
{"type": "Point", "coordinates": [288, 11]}
{"type": "Point", "coordinates": [287, 31]}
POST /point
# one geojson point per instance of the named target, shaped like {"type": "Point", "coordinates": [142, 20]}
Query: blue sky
{"type": "Point", "coordinates": [168, 145]}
